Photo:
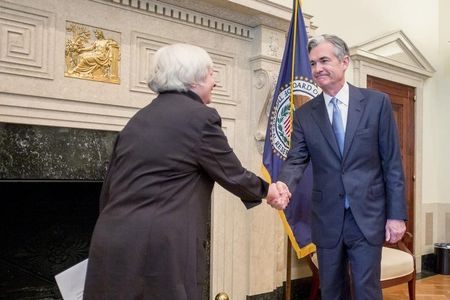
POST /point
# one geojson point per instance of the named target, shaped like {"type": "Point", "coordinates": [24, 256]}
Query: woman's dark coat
{"type": "Point", "coordinates": [149, 240]}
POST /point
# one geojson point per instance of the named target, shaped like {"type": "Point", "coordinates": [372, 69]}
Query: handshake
{"type": "Point", "coordinates": [278, 195]}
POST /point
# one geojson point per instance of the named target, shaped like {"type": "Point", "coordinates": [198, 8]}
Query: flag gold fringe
{"type": "Point", "coordinates": [301, 252]}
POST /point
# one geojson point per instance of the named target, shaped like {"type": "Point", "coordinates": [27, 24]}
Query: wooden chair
{"type": "Point", "coordinates": [397, 266]}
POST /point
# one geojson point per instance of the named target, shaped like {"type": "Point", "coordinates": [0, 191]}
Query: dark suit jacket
{"type": "Point", "coordinates": [151, 236]}
{"type": "Point", "coordinates": [370, 172]}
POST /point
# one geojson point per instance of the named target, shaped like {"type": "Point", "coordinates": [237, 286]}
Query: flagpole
{"type": "Point", "coordinates": [289, 244]}
{"type": "Point", "coordinates": [288, 270]}
{"type": "Point", "coordinates": [295, 74]}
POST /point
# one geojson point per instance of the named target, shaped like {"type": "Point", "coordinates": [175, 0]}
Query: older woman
{"type": "Point", "coordinates": [149, 241]}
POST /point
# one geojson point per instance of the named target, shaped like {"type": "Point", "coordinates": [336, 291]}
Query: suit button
{"type": "Point", "coordinates": [343, 173]}
{"type": "Point", "coordinates": [341, 195]}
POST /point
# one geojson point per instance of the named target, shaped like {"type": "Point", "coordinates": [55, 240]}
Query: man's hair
{"type": "Point", "coordinates": [340, 47]}
{"type": "Point", "coordinates": [178, 67]}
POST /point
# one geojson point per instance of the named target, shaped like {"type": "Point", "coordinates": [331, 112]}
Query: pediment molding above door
{"type": "Point", "coordinates": [393, 50]}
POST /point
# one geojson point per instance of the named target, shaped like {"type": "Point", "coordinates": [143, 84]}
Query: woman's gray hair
{"type": "Point", "coordinates": [340, 47]}
{"type": "Point", "coordinates": [178, 67]}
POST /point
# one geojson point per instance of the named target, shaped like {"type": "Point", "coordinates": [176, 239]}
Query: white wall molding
{"type": "Point", "coordinates": [179, 14]}
{"type": "Point", "coordinates": [28, 41]}
{"type": "Point", "coordinates": [143, 47]}
{"type": "Point", "coordinates": [29, 109]}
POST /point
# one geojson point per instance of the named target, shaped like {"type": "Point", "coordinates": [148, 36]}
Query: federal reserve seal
{"type": "Point", "coordinates": [280, 119]}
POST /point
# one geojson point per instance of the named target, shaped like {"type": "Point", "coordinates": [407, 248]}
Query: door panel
{"type": "Point", "coordinates": [402, 99]}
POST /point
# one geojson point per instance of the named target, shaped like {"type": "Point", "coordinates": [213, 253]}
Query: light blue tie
{"type": "Point", "coordinates": [338, 125]}
{"type": "Point", "coordinates": [339, 133]}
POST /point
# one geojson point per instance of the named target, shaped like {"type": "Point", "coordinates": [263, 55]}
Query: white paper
{"type": "Point", "coordinates": [71, 281]}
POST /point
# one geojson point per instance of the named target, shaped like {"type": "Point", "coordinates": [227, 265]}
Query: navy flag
{"type": "Point", "coordinates": [294, 87]}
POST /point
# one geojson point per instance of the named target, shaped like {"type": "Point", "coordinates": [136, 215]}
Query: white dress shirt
{"type": "Point", "coordinates": [342, 96]}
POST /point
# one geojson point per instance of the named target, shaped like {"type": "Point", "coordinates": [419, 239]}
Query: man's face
{"type": "Point", "coordinates": [328, 72]}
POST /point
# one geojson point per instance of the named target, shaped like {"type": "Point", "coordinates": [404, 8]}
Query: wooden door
{"type": "Point", "coordinates": [402, 98]}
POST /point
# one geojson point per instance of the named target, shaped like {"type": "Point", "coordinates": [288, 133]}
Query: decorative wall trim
{"type": "Point", "coordinates": [437, 225]}
{"type": "Point", "coordinates": [16, 108]}
{"type": "Point", "coordinates": [428, 229]}
{"type": "Point", "coordinates": [28, 41]}
{"type": "Point", "coordinates": [447, 227]}
{"type": "Point", "coordinates": [143, 47]}
{"type": "Point", "coordinates": [394, 49]}
{"type": "Point", "coordinates": [178, 14]}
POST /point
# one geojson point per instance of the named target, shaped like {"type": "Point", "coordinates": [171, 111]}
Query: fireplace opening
{"type": "Point", "coordinates": [46, 228]}
{"type": "Point", "coordinates": [50, 183]}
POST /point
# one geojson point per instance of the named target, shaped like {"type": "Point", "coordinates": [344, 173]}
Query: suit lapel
{"type": "Point", "coordinates": [320, 116]}
{"type": "Point", "coordinates": [355, 109]}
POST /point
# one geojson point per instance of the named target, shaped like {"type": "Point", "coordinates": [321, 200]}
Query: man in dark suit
{"type": "Point", "coordinates": [358, 199]}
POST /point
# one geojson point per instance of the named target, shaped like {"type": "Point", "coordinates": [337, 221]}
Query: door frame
{"type": "Point", "coordinates": [366, 63]}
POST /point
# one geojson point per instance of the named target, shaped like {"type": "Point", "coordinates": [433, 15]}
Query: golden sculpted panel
{"type": "Point", "coordinates": [90, 55]}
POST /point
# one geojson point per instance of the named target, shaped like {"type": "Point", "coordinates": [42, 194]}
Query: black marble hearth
{"type": "Point", "coordinates": [50, 181]}
{"type": "Point", "coordinates": [53, 153]}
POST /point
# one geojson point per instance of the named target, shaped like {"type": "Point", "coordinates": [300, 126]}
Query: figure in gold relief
{"type": "Point", "coordinates": [98, 60]}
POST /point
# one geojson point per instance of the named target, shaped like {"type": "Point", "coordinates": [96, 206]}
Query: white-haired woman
{"type": "Point", "coordinates": [150, 239]}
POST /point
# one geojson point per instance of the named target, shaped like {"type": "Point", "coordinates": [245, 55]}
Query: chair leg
{"type": "Point", "coordinates": [314, 287]}
{"type": "Point", "coordinates": [412, 289]}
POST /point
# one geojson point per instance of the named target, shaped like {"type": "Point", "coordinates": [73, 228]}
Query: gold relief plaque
{"type": "Point", "coordinates": [92, 53]}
